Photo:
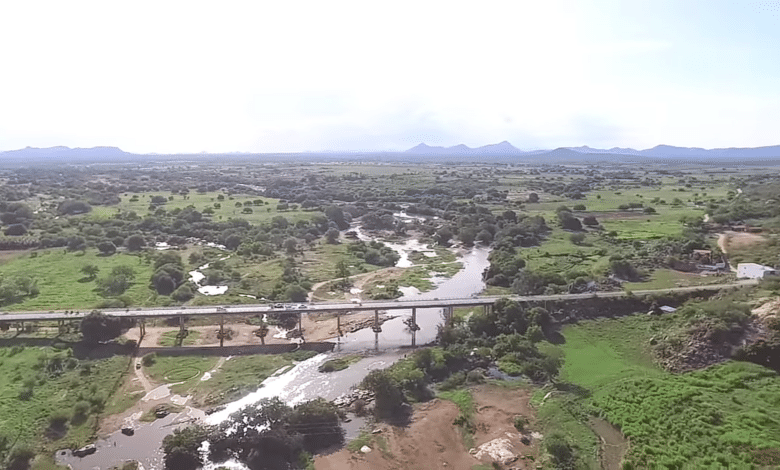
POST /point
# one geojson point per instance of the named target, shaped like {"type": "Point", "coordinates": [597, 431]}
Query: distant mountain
{"type": "Point", "coordinates": [64, 154]}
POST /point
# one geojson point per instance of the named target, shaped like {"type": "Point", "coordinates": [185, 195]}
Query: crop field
{"type": "Point", "coordinates": [63, 286]}
{"type": "Point", "coordinates": [725, 416]}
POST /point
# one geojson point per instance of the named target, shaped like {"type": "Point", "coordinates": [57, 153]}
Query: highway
{"type": "Point", "coordinates": [259, 309]}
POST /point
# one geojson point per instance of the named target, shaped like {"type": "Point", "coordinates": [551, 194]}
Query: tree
{"type": "Point", "coordinates": [135, 242]}
{"type": "Point", "coordinates": [649, 210]}
{"type": "Point", "coordinates": [624, 270]}
{"type": "Point", "coordinates": [77, 244]}
{"type": "Point", "coordinates": [388, 395]}
{"type": "Point", "coordinates": [291, 246]}
{"type": "Point", "coordinates": [167, 257]}
{"type": "Point", "coordinates": [342, 272]}
{"type": "Point", "coordinates": [97, 327]}
{"type": "Point", "coordinates": [118, 281]}
{"type": "Point", "coordinates": [579, 207]}
{"type": "Point", "coordinates": [332, 235]}
{"type": "Point", "coordinates": [15, 230]}
{"type": "Point", "coordinates": [590, 221]}
{"type": "Point", "coordinates": [533, 197]}
{"type": "Point", "coordinates": [296, 293]}
{"type": "Point", "coordinates": [71, 207]}
{"type": "Point", "coordinates": [106, 247]}
{"type": "Point", "coordinates": [90, 271]}
{"type": "Point", "coordinates": [568, 221]}
{"type": "Point", "coordinates": [182, 448]}
{"type": "Point", "coordinates": [167, 278]}
{"type": "Point", "coordinates": [443, 236]}
{"type": "Point", "coordinates": [232, 242]}
{"type": "Point", "coordinates": [183, 293]}
{"type": "Point", "coordinates": [335, 214]}
{"type": "Point", "coordinates": [577, 238]}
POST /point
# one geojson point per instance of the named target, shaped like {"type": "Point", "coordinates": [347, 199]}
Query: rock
{"type": "Point", "coordinates": [365, 449]}
{"type": "Point", "coordinates": [128, 431]}
{"type": "Point", "coordinates": [376, 431]}
{"type": "Point", "coordinates": [525, 439]}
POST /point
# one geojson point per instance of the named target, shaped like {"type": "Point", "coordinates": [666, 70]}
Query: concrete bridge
{"type": "Point", "coordinates": [447, 305]}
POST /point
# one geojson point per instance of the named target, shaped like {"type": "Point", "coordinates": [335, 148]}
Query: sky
{"type": "Point", "coordinates": [168, 76]}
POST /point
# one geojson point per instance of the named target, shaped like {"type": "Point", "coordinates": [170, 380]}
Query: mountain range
{"type": "Point", "coordinates": [660, 151]}
{"type": "Point", "coordinates": [503, 152]}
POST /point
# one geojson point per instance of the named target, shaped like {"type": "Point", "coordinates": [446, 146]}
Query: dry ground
{"type": "Point", "coordinates": [431, 441]}
{"type": "Point", "coordinates": [729, 240]}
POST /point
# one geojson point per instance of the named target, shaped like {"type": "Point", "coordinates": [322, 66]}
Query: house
{"type": "Point", "coordinates": [755, 271]}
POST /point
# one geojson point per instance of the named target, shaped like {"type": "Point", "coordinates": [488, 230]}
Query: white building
{"type": "Point", "coordinates": [754, 271]}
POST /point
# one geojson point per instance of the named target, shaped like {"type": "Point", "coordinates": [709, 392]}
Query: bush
{"type": "Point", "coordinates": [80, 411]}
{"type": "Point", "coordinates": [149, 359]}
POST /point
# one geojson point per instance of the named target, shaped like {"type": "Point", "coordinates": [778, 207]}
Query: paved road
{"type": "Point", "coordinates": [257, 309]}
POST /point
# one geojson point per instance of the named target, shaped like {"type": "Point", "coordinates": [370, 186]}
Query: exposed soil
{"type": "Point", "coordinates": [432, 441]}
{"type": "Point", "coordinates": [612, 444]}
{"type": "Point", "coordinates": [321, 292]}
{"type": "Point", "coordinates": [735, 240]}
{"type": "Point", "coordinates": [315, 328]}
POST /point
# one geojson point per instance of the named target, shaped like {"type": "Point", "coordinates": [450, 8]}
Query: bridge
{"type": "Point", "coordinates": [339, 309]}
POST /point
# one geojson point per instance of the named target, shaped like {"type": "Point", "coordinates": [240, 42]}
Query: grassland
{"type": "Point", "coordinates": [38, 384]}
{"type": "Point", "coordinates": [62, 284]}
{"type": "Point", "coordinates": [223, 209]}
{"type": "Point", "coordinates": [726, 416]}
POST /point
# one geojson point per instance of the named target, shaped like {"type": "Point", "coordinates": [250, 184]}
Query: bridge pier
{"type": "Point", "coordinates": [447, 311]}
{"type": "Point", "coordinates": [377, 329]}
{"type": "Point", "coordinates": [221, 331]}
{"type": "Point", "coordinates": [141, 329]}
{"type": "Point", "coordinates": [414, 327]}
{"type": "Point", "coordinates": [300, 325]}
{"type": "Point", "coordinates": [338, 324]}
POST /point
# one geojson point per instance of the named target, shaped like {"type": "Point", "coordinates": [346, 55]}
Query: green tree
{"type": "Point", "coordinates": [182, 448]}
{"type": "Point", "coordinates": [342, 272]}
{"type": "Point", "coordinates": [135, 242]}
{"type": "Point", "coordinates": [91, 271]}
{"type": "Point", "coordinates": [106, 248]}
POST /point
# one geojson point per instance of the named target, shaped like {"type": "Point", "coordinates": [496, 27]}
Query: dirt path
{"type": "Point", "coordinates": [142, 378]}
{"type": "Point", "coordinates": [431, 441]}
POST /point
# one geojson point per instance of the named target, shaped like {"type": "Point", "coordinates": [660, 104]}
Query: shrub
{"type": "Point", "coordinates": [149, 359]}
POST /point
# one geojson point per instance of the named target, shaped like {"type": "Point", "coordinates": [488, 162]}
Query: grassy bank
{"type": "Point", "coordinates": [725, 416]}
{"type": "Point", "coordinates": [50, 400]}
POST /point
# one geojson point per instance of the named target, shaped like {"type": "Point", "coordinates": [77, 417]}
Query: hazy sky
{"type": "Point", "coordinates": [271, 75]}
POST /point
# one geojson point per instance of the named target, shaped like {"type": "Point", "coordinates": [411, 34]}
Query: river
{"type": "Point", "coordinates": [304, 382]}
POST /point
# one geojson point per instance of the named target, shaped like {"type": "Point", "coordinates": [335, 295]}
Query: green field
{"type": "Point", "coordinates": [38, 383]}
{"type": "Point", "coordinates": [227, 207]}
{"type": "Point", "coordinates": [64, 287]}
{"type": "Point", "coordinates": [725, 416]}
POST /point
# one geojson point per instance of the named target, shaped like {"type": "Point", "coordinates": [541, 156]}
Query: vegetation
{"type": "Point", "coordinates": [339, 363]}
